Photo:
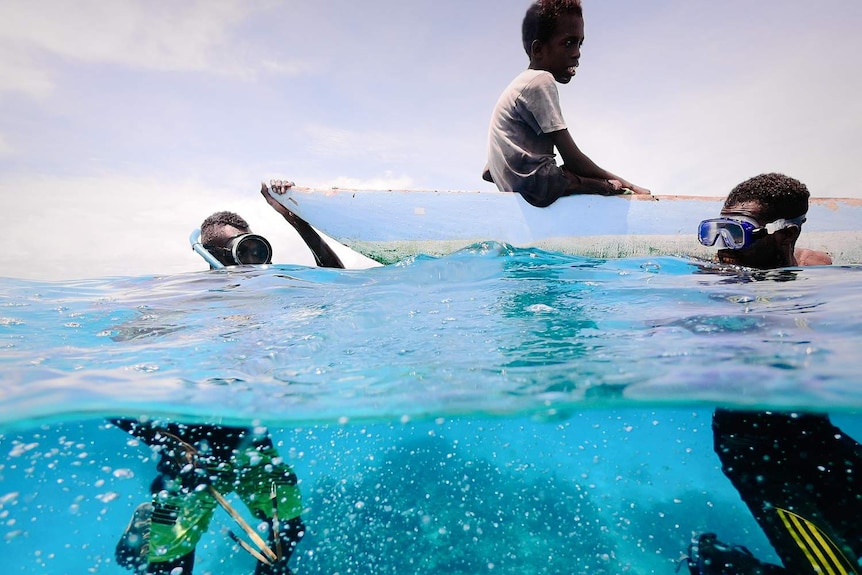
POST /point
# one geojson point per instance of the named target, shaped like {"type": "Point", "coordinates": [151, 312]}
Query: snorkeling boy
{"type": "Point", "coordinates": [760, 222]}
{"type": "Point", "coordinates": [527, 123]}
{"type": "Point", "coordinates": [198, 463]}
{"type": "Point", "coordinates": [226, 239]}
{"type": "Point", "coordinates": [796, 472]}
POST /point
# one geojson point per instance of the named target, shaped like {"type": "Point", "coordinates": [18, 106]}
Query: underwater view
{"type": "Point", "coordinates": [496, 410]}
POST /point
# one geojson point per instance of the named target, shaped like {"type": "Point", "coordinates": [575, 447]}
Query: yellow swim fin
{"type": "Point", "coordinates": [824, 555]}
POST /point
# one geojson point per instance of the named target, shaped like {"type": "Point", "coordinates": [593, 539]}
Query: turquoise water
{"type": "Point", "coordinates": [498, 410]}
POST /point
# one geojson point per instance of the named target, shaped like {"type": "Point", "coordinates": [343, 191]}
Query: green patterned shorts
{"type": "Point", "coordinates": [181, 516]}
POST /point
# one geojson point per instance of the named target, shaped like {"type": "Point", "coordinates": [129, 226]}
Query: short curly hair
{"type": "Point", "coordinates": [220, 219]}
{"type": "Point", "coordinates": [779, 196]}
{"type": "Point", "coordinates": [540, 22]}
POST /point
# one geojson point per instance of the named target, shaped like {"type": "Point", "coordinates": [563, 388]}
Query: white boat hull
{"type": "Point", "coordinates": [389, 225]}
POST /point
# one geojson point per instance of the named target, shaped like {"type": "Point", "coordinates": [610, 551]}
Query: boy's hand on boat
{"type": "Point", "coordinates": [623, 187]}
{"type": "Point", "coordinates": [638, 190]}
{"type": "Point", "coordinates": [628, 188]}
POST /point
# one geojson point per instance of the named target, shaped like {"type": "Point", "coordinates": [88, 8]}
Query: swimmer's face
{"type": "Point", "coordinates": [221, 236]}
{"type": "Point", "coordinates": [776, 250]}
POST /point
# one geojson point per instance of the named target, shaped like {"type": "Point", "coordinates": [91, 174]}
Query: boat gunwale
{"type": "Point", "coordinates": [816, 200]}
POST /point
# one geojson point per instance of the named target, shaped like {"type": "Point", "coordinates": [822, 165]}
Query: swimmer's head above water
{"type": "Point", "coordinates": [226, 239]}
{"type": "Point", "coordinates": [760, 222]}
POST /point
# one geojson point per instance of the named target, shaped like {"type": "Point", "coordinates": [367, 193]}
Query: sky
{"type": "Point", "coordinates": [123, 124]}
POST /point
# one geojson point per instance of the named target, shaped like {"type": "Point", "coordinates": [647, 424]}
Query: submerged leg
{"type": "Point", "coordinates": [181, 515]}
{"type": "Point", "coordinates": [290, 534]}
{"type": "Point", "coordinates": [268, 487]}
{"type": "Point", "coordinates": [180, 566]}
{"type": "Point", "coordinates": [798, 474]}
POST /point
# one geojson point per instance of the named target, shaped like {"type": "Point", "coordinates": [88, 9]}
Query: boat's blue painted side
{"type": "Point", "coordinates": [390, 224]}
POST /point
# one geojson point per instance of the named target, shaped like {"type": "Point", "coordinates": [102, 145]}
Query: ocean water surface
{"type": "Point", "coordinates": [498, 410]}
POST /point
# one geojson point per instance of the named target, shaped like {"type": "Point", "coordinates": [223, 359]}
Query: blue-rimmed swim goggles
{"type": "Point", "coordinates": [739, 232]}
{"type": "Point", "coordinates": [244, 249]}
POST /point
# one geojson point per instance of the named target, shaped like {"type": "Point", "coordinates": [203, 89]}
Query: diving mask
{"type": "Point", "coordinates": [739, 232]}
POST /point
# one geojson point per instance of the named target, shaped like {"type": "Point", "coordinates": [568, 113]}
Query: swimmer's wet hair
{"type": "Point", "coordinates": [779, 196]}
{"type": "Point", "coordinates": [218, 220]}
{"type": "Point", "coordinates": [540, 22]}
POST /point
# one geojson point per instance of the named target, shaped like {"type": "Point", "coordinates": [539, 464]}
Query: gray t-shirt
{"type": "Point", "coordinates": [520, 152]}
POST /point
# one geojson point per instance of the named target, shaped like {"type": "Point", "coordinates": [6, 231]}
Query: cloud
{"type": "Point", "coordinates": [5, 147]}
{"type": "Point", "coordinates": [338, 142]}
{"type": "Point", "coordinates": [64, 227]}
{"type": "Point", "coordinates": [132, 32]}
{"type": "Point", "coordinates": [20, 73]}
{"type": "Point", "coordinates": [285, 68]}
{"type": "Point", "coordinates": [197, 35]}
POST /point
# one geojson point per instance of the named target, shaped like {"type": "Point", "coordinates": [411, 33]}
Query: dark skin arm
{"type": "Point", "coordinates": [323, 254]}
{"type": "Point", "coordinates": [575, 161]}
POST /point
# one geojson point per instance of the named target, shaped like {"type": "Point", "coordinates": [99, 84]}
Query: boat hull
{"type": "Point", "coordinates": [389, 225]}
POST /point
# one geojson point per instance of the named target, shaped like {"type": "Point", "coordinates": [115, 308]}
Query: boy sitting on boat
{"type": "Point", "coordinates": [527, 123]}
